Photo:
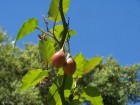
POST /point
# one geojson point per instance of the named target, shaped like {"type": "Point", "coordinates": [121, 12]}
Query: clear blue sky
{"type": "Point", "coordinates": [104, 27]}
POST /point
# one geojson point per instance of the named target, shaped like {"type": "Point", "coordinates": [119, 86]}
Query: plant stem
{"type": "Point", "coordinates": [65, 25]}
{"type": "Point", "coordinates": [65, 31]}
{"type": "Point", "coordinates": [43, 31]}
{"type": "Point", "coordinates": [62, 89]}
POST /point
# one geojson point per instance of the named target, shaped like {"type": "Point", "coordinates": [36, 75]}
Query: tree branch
{"type": "Point", "coordinates": [65, 25]}
{"type": "Point", "coordinates": [65, 31]}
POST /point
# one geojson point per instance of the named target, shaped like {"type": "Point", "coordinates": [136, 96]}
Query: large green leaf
{"type": "Point", "coordinates": [32, 78]}
{"type": "Point", "coordinates": [53, 13]}
{"type": "Point", "coordinates": [92, 94]}
{"type": "Point", "coordinates": [28, 27]}
{"type": "Point", "coordinates": [91, 64]}
{"type": "Point", "coordinates": [80, 63]}
{"type": "Point", "coordinates": [46, 50]}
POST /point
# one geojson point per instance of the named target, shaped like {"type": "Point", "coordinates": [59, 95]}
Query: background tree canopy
{"type": "Point", "coordinates": [117, 84]}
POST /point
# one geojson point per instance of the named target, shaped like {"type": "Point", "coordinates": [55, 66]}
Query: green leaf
{"type": "Point", "coordinates": [76, 102]}
{"type": "Point", "coordinates": [57, 31]}
{"type": "Point", "coordinates": [80, 63]}
{"type": "Point", "coordinates": [92, 94]}
{"type": "Point", "coordinates": [32, 78]}
{"type": "Point", "coordinates": [94, 100]}
{"type": "Point", "coordinates": [91, 91]}
{"type": "Point", "coordinates": [28, 27]}
{"type": "Point", "coordinates": [67, 93]}
{"type": "Point", "coordinates": [91, 64]}
{"type": "Point", "coordinates": [54, 97]}
{"type": "Point", "coordinates": [72, 32]}
{"type": "Point", "coordinates": [60, 72]}
{"type": "Point", "coordinates": [46, 50]}
{"type": "Point", "coordinates": [53, 13]}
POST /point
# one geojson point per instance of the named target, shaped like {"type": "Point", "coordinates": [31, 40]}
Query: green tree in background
{"type": "Point", "coordinates": [14, 63]}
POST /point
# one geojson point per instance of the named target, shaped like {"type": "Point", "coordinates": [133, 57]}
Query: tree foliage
{"type": "Point", "coordinates": [14, 63]}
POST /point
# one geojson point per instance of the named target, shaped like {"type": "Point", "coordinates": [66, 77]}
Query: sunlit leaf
{"type": "Point", "coordinates": [53, 13]}
{"type": "Point", "coordinates": [32, 78]}
{"type": "Point", "coordinates": [80, 63]}
{"type": "Point", "coordinates": [54, 96]}
{"type": "Point", "coordinates": [67, 93]}
{"type": "Point", "coordinates": [28, 27]}
{"type": "Point", "coordinates": [46, 50]}
{"type": "Point", "coordinates": [57, 31]}
{"type": "Point", "coordinates": [72, 32]}
{"type": "Point", "coordinates": [91, 64]}
{"type": "Point", "coordinates": [93, 95]}
{"type": "Point", "coordinates": [60, 72]}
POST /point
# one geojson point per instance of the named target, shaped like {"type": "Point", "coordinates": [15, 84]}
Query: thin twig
{"type": "Point", "coordinates": [68, 43]}
{"type": "Point", "coordinates": [46, 22]}
{"type": "Point", "coordinates": [68, 39]}
{"type": "Point", "coordinates": [54, 31]}
{"type": "Point", "coordinates": [43, 31]}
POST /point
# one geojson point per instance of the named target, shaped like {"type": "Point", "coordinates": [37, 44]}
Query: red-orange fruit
{"type": "Point", "coordinates": [69, 67]}
{"type": "Point", "coordinates": [58, 59]}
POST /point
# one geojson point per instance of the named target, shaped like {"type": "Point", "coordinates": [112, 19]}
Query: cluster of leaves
{"type": "Point", "coordinates": [14, 63]}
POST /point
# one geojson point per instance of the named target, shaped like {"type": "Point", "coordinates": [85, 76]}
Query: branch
{"type": "Point", "coordinates": [65, 31]}
{"type": "Point", "coordinates": [43, 31]}
{"type": "Point", "coordinates": [65, 26]}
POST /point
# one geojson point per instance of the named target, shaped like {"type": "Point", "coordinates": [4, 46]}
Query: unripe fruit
{"type": "Point", "coordinates": [58, 59]}
{"type": "Point", "coordinates": [69, 67]}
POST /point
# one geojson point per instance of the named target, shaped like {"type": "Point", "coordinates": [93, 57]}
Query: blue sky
{"type": "Point", "coordinates": [104, 27]}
